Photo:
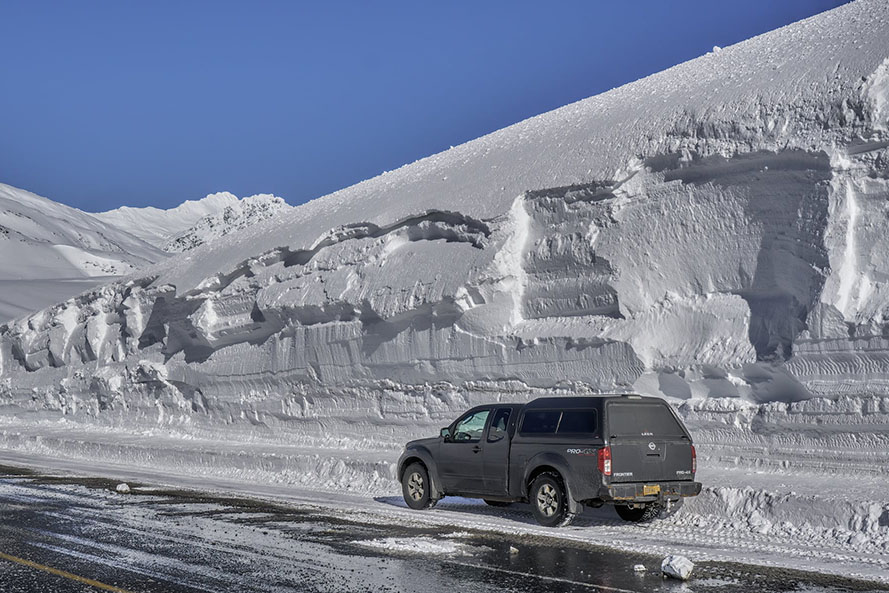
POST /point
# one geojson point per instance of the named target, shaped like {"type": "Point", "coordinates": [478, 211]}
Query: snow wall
{"type": "Point", "coordinates": [716, 234]}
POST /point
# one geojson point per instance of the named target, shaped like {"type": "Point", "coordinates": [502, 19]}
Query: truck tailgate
{"type": "Point", "coordinates": [650, 460]}
{"type": "Point", "coordinates": [648, 443]}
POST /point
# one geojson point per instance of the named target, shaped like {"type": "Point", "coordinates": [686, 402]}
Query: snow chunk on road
{"type": "Point", "coordinates": [416, 545]}
{"type": "Point", "coordinates": [123, 488]}
{"type": "Point", "coordinates": [677, 567]}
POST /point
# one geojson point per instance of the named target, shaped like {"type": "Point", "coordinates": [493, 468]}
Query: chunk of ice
{"type": "Point", "coordinates": [677, 567]}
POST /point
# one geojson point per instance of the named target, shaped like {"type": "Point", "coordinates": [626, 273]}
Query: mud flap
{"type": "Point", "coordinates": [574, 507]}
{"type": "Point", "coordinates": [435, 492]}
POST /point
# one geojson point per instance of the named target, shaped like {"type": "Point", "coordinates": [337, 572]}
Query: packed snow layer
{"type": "Point", "coordinates": [715, 234]}
{"type": "Point", "coordinates": [19, 297]}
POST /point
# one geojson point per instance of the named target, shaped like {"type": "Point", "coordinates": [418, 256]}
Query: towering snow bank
{"type": "Point", "coordinates": [157, 226]}
{"type": "Point", "coordinates": [715, 230]}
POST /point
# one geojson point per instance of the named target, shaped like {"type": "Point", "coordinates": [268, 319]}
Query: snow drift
{"type": "Point", "coordinates": [715, 234]}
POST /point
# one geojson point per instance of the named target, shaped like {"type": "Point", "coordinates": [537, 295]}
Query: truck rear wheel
{"type": "Point", "coordinates": [640, 514]}
{"type": "Point", "coordinates": [415, 487]}
{"type": "Point", "coordinates": [549, 501]}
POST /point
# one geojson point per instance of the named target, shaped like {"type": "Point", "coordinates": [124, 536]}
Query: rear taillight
{"type": "Point", "coordinates": [605, 461]}
{"type": "Point", "coordinates": [694, 460]}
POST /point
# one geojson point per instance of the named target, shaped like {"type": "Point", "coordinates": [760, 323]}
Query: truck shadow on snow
{"type": "Point", "coordinates": [517, 512]}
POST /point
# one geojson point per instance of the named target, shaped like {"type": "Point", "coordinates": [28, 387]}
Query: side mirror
{"type": "Point", "coordinates": [445, 433]}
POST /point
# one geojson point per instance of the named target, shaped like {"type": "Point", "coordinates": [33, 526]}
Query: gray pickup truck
{"type": "Point", "coordinates": [558, 453]}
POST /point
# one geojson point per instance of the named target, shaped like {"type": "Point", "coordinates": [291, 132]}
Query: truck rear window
{"type": "Point", "coordinates": [559, 422]}
{"type": "Point", "coordinates": [642, 419]}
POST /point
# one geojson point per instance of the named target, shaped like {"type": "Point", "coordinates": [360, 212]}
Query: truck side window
{"type": "Point", "coordinates": [498, 425]}
{"type": "Point", "coordinates": [579, 421]}
{"type": "Point", "coordinates": [540, 421]}
{"type": "Point", "coordinates": [470, 428]}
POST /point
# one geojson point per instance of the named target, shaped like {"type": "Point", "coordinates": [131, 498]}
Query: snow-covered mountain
{"type": "Point", "coordinates": [716, 234]}
{"type": "Point", "coordinates": [157, 226]}
{"type": "Point", "coordinates": [234, 217]}
{"type": "Point", "coordinates": [52, 252]}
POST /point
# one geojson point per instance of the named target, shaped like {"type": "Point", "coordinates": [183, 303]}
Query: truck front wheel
{"type": "Point", "coordinates": [549, 501]}
{"type": "Point", "coordinates": [415, 487]}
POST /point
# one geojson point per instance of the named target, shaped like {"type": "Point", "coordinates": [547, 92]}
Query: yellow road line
{"type": "Point", "coordinates": [62, 573]}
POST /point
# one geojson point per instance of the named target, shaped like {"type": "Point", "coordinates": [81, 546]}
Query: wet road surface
{"type": "Point", "coordinates": [70, 535]}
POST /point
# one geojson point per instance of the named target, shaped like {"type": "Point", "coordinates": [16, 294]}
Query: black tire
{"type": "Point", "coordinates": [549, 501]}
{"type": "Point", "coordinates": [415, 487]}
{"type": "Point", "coordinates": [640, 514]}
{"type": "Point", "coordinates": [497, 503]}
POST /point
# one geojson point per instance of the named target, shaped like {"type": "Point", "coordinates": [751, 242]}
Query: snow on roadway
{"type": "Point", "coordinates": [417, 545]}
{"type": "Point", "coordinates": [697, 531]}
{"type": "Point", "coordinates": [170, 541]}
{"type": "Point", "coordinates": [715, 234]}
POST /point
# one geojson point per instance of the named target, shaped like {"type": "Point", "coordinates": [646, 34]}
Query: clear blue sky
{"type": "Point", "coordinates": [106, 103]}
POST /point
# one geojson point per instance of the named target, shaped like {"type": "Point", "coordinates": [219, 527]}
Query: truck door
{"type": "Point", "coordinates": [460, 457]}
{"type": "Point", "coordinates": [495, 453]}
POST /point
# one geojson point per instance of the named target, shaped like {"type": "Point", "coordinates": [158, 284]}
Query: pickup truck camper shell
{"type": "Point", "coordinates": [558, 453]}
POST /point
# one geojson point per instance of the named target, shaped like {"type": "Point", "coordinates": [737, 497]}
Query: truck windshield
{"type": "Point", "coordinates": [642, 419]}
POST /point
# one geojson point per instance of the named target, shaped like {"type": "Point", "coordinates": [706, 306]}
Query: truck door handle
{"type": "Point", "coordinates": [476, 449]}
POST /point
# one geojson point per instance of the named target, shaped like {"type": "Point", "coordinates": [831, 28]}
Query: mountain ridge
{"type": "Point", "coordinates": [53, 252]}
{"type": "Point", "coordinates": [158, 225]}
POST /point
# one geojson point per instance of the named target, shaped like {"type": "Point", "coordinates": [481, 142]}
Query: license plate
{"type": "Point", "coordinates": [649, 490]}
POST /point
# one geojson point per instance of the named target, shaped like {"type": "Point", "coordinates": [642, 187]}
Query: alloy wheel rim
{"type": "Point", "coordinates": [547, 500]}
{"type": "Point", "coordinates": [415, 486]}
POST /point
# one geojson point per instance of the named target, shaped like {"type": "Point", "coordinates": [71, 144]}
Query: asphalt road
{"type": "Point", "coordinates": [65, 535]}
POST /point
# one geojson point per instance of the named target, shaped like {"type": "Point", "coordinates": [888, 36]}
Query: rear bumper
{"type": "Point", "coordinates": [635, 491]}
